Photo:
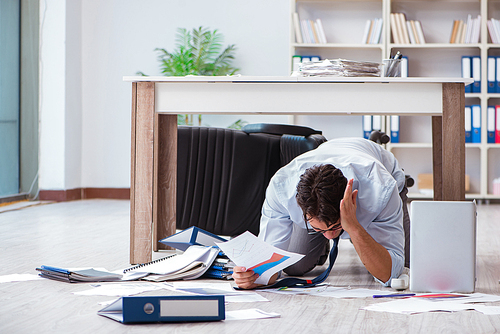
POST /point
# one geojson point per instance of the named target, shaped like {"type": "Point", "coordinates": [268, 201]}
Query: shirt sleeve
{"type": "Point", "coordinates": [387, 230]}
{"type": "Point", "coordinates": [276, 226]}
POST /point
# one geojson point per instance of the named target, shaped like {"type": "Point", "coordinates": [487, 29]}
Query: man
{"type": "Point", "coordinates": [350, 187]}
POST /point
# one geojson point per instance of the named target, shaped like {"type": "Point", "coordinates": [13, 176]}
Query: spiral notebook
{"type": "Point", "coordinates": [189, 265]}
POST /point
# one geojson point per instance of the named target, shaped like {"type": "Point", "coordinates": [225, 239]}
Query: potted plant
{"type": "Point", "coordinates": [198, 52]}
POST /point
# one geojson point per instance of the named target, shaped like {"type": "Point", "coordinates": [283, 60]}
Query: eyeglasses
{"type": "Point", "coordinates": [312, 230]}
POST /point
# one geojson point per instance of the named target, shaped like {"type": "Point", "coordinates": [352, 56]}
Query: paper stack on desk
{"type": "Point", "coordinates": [339, 68]}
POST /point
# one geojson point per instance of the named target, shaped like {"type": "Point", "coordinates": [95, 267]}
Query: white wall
{"type": "Point", "coordinates": [87, 46]}
{"type": "Point", "coordinates": [119, 38]}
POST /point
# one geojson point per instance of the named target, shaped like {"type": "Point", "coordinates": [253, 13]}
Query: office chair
{"type": "Point", "coordinates": [223, 174]}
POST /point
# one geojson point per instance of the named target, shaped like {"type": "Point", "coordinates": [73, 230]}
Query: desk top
{"type": "Point", "coordinates": [290, 79]}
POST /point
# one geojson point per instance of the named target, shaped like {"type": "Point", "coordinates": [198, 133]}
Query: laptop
{"type": "Point", "coordinates": [442, 246]}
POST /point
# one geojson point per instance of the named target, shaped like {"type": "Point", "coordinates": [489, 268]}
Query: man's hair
{"type": "Point", "coordinates": [319, 192]}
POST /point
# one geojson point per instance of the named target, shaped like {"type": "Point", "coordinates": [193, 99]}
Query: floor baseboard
{"type": "Point", "coordinates": [84, 193]}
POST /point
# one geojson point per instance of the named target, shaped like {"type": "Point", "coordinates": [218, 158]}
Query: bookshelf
{"type": "Point", "coordinates": [344, 23]}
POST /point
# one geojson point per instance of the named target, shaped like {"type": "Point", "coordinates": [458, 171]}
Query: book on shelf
{"type": "Point", "coordinates": [494, 30]}
{"type": "Point", "coordinates": [296, 28]}
{"type": "Point", "coordinates": [406, 31]}
{"type": "Point", "coordinates": [308, 31]}
{"type": "Point", "coordinates": [373, 31]}
{"type": "Point", "coordinates": [467, 32]}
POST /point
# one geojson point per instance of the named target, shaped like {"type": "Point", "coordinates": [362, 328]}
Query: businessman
{"type": "Point", "coordinates": [347, 187]}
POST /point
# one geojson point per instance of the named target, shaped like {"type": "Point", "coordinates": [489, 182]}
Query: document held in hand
{"type": "Point", "coordinates": [138, 309]}
{"type": "Point", "coordinates": [246, 250]}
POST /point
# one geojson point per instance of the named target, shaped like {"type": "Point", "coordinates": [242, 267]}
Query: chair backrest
{"type": "Point", "coordinates": [222, 175]}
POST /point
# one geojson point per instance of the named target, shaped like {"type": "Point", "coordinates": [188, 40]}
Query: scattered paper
{"type": "Point", "coordinates": [231, 295]}
{"type": "Point", "coordinates": [246, 250]}
{"type": "Point", "coordinates": [252, 313]}
{"type": "Point", "coordinates": [331, 291]}
{"type": "Point", "coordinates": [118, 289]}
{"type": "Point", "coordinates": [488, 310]}
{"type": "Point", "coordinates": [19, 278]}
{"type": "Point", "coordinates": [417, 305]}
{"type": "Point", "coordinates": [470, 298]}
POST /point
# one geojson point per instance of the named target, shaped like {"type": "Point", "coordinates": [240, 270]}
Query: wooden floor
{"type": "Point", "coordinates": [96, 233]}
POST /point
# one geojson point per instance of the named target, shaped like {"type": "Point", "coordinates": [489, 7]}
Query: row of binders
{"type": "Point", "coordinates": [471, 68]}
{"type": "Point", "coordinates": [308, 31]}
{"type": "Point", "coordinates": [466, 32]}
{"type": "Point", "coordinates": [406, 32]}
{"type": "Point", "coordinates": [374, 123]}
{"type": "Point", "coordinates": [473, 124]}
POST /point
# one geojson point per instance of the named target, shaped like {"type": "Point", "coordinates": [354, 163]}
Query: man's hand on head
{"type": "Point", "coordinates": [348, 208]}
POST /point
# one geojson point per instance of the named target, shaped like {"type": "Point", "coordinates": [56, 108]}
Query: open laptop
{"type": "Point", "coordinates": [442, 246]}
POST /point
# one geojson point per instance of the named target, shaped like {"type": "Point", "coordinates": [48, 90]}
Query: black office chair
{"type": "Point", "coordinates": [380, 137]}
{"type": "Point", "coordinates": [222, 174]}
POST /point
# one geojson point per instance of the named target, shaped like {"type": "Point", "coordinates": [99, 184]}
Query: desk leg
{"type": "Point", "coordinates": [449, 138]}
{"type": "Point", "coordinates": [165, 178]}
{"type": "Point", "coordinates": [141, 188]}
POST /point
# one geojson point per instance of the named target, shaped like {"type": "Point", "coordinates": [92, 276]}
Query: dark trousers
{"type": "Point", "coordinates": [316, 247]}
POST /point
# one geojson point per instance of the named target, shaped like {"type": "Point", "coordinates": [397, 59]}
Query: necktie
{"type": "Point", "coordinates": [303, 283]}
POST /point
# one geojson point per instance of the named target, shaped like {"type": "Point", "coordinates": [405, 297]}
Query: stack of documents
{"type": "Point", "coordinates": [191, 264]}
{"type": "Point", "coordinates": [339, 68]}
{"type": "Point", "coordinates": [80, 275]}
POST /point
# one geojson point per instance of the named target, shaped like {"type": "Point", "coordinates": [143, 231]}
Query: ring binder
{"type": "Point", "coordinates": [148, 263]}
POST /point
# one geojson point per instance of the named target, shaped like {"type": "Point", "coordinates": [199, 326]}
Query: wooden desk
{"type": "Point", "coordinates": [156, 101]}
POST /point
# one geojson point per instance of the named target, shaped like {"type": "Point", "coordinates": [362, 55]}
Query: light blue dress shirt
{"type": "Point", "coordinates": [377, 176]}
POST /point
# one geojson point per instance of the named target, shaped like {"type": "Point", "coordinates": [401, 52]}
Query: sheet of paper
{"type": "Point", "coordinates": [250, 314]}
{"type": "Point", "coordinates": [231, 295]}
{"type": "Point", "coordinates": [331, 291]}
{"type": "Point", "coordinates": [248, 251]}
{"type": "Point", "coordinates": [465, 298]}
{"type": "Point", "coordinates": [119, 289]}
{"type": "Point", "coordinates": [19, 278]}
{"type": "Point", "coordinates": [488, 310]}
{"type": "Point", "coordinates": [417, 305]}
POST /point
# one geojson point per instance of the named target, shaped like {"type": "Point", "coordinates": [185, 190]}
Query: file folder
{"type": "Point", "coordinates": [497, 79]}
{"type": "Point", "coordinates": [467, 72]}
{"type": "Point", "coordinates": [492, 85]}
{"type": "Point", "coordinates": [144, 309]}
{"type": "Point", "coordinates": [491, 125]}
{"type": "Point", "coordinates": [497, 126]}
{"type": "Point", "coordinates": [192, 236]}
{"type": "Point", "coordinates": [377, 122]}
{"type": "Point", "coordinates": [468, 124]}
{"type": "Point", "coordinates": [476, 123]}
{"type": "Point", "coordinates": [394, 129]}
{"type": "Point", "coordinates": [476, 74]}
{"type": "Point", "coordinates": [367, 126]}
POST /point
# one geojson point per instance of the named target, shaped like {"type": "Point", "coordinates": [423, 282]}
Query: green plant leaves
{"type": "Point", "coordinates": [198, 52]}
